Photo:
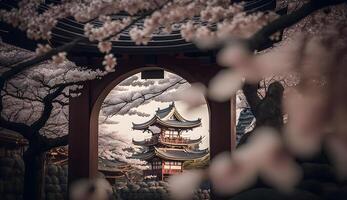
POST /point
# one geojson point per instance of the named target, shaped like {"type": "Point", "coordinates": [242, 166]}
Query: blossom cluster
{"type": "Point", "coordinates": [23, 94]}
{"type": "Point", "coordinates": [109, 30]}
{"type": "Point", "coordinates": [109, 62]}
{"type": "Point", "coordinates": [41, 49]}
{"type": "Point", "coordinates": [223, 20]}
{"type": "Point", "coordinates": [39, 20]}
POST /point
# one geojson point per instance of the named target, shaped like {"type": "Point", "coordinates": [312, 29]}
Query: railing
{"type": "Point", "coordinates": [172, 171]}
{"type": "Point", "coordinates": [175, 140]}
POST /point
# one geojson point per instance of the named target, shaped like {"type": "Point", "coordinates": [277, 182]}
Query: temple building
{"type": "Point", "coordinates": [167, 149]}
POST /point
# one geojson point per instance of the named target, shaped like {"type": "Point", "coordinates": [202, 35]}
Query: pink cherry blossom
{"type": "Point", "coordinates": [109, 62]}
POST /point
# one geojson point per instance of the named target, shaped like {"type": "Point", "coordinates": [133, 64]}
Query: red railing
{"type": "Point", "coordinates": [175, 140]}
{"type": "Point", "coordinates": [171, 171]}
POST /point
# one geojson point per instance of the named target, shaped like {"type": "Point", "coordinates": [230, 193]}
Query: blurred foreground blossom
{"type": "Point", "coordinates": [98, 189]}
{"type": "Point", "coordinates": [230, 176]}
{"type": "Point", "coordinates": [316, 111]}
{"type": "Point", "coordinates": [265, 152]}
{"type": "Point", "coordinates": [225, 85]}
{"type": "Point", "coordinates": [303, 133]}
{"type": "Point", "coordinates": [182, 186]}
{"type": "Point", "coordinates": [278, 60]}
{"type": "Point", "coordinates": [235, 55]}
{"type": "Point", "coordinates": [193, 95]}
{"type": "Point", "coordinates": [337, 149]}
{"type": "Point", "coordinates": [262, 156]}
{"type": "Point", "coordinates": [240, 61]}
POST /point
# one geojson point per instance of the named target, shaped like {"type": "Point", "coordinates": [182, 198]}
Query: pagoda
{"type": "Point", "coordinates": [167, 149]}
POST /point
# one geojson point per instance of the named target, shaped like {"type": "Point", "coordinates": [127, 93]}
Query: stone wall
{"type": "Point", "coordinates": [11, 176]}
{"type": "Point", "coordinates": [56, 182]}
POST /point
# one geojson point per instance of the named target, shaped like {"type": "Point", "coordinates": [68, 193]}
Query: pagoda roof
{"type": "Point", "coordinates": [180, 154]}
{"type": "Point", "coordinates": [145, 155]}
{"type": "Point", "coordinates": [168, 117]}
{"type": "Point", "coordinates": [172, 154]}
{"type": "Point", "coordinates": [245, 123]}
{"type": "Point", "coordinates": [146, 142]}
{"type": "Point", "coordinates": [113, 166]}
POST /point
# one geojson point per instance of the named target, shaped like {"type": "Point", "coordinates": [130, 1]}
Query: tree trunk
{"type": "Point", "coordinates": [33, 176]}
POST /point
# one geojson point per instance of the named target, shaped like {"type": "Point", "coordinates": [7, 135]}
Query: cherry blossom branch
{"type": "Point", "coordinates": [18, 67]}
{"type": "Point", "coordinates": [21, 66]}
{"type": "Point", "coordinates": [261, 38]}
{"type": "Point", "coordinates": [25, 130]}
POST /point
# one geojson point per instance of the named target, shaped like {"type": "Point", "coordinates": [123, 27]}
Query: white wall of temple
{"type": "Point", "coordinates": [175, 165]}
{"type": "Point", "coordinates": [170, 133]}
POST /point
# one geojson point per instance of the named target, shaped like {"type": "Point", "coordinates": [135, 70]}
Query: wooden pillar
{"type": "Point", "coordinates": [220, 127]}
{"type": "Point", "coordinates": [220, 132]}
{"type": "Point", "coordinates": [82, 148]}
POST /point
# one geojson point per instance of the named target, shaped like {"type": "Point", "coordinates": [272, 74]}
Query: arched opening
{"type": "Point", "coordinates": [124, 147]}
{"type": "Point", "coordinates": [84, 110]}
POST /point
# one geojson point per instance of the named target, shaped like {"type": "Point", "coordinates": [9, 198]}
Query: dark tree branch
{"type": "Point", "coordinates": [50, 143]}
{"type": "Point", "coordinates": [251, 94]}
{"type": "Point", "coordinates": [47, 110]}
{"type": "Point", "coordinates": [21, 128]}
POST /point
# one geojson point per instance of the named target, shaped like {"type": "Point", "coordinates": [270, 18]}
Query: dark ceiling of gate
{"type": "Point", "coordinates": [162, 42]}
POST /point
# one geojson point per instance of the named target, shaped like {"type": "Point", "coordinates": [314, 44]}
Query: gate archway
{"type": "Point", "coordinates": [84, 110]}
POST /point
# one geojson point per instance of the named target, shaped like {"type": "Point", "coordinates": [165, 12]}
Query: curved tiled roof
{"type": "Point", "coordinates": [180, 154]}
{"type": "Point", "coordinates": [146, 142]}
{"type": "Point", "coordinates": [172, 154]}
{"type": "Point", "coordinates": [168, 117]}
{"type": "Point", "coordinates": [144, 156]}
{"type": "Point", "coordinates": [245, 122]}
